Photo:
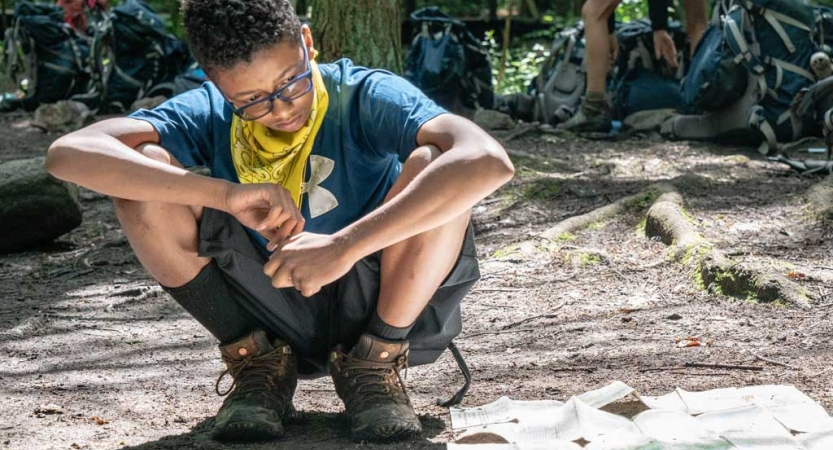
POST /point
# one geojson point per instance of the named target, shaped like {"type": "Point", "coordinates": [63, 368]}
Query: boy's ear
{"type": "Point", "coordinates": [306, 35]}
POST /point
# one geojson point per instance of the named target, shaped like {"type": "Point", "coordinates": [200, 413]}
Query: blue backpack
{"type": "Point", "coordinates": [448, 63]}
{"type": "Point", "coordinates": [749, 66]}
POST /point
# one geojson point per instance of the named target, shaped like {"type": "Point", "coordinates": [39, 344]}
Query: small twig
{"type": "Point", "coordinates": [573, 369]}
{"type": "Point", "coordinates": [482, 333]}
{"type": "Point", "coordinates": [722, 366]}
{"type": "Point", "coordinates": [496, 290]}
{"type": "Point", "coordinates": [771, 361]}
{"type": "Point", "coordinates": [661, 369]}
{"type": "Point", "coordinates": [549, 315]}
{"type": "Point", "coordinates": [518, 133]}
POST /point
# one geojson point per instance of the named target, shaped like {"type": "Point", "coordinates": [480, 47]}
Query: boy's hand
{"type": "Point", "coordinates": [664, 48]}
{"type": "Point", "coordinates": [267, 208]}
{"type": "Point", "coordinates": [307, 261]}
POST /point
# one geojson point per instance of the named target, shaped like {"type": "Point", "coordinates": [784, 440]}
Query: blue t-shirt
{"type": "Point", "coordinates": [370, 128]}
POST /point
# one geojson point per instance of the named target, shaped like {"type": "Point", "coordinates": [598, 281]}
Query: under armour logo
{"type": "Point", "coordinates": [321, 201]}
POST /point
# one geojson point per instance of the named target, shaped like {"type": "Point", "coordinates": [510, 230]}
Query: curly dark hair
{"type": "Point", "coordinates": [222, 33]}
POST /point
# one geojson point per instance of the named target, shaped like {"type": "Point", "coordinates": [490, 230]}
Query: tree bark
{"type": "Point", "coordinates": [366, 31]}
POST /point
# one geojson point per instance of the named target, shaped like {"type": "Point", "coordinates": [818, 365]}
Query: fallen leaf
{"type": "Point", "coordinates": [793, 275]}
{"type": "Point", "coordinates": [100, 420]}
{"type": "Point", "coordinates": [691, 341]}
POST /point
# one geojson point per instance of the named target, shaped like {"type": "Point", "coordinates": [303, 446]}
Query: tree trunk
{"type": "Point", "coordinates": [410, 6]}
{"type": "Point", "coordinates": [301, 7]}
{"type": "Point", "coordinates": [366, 31]}
{"type": "Point", "coordinates": [492, 10]}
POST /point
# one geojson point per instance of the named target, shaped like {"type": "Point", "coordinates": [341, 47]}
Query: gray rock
{"type": "Point", "coordinates": [492, 120]}
{"type": "Point", "coordinates": [62, 117]}
{"type": "Point", "coordinates": [35, 207]}
{"type": "Point", "coordinates": [147, 103]}
{"type": "Point", "coordinates": [648, 120]}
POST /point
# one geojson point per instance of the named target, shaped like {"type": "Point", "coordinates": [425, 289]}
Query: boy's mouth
{"type": "Point", "coordinates": [288, 125]}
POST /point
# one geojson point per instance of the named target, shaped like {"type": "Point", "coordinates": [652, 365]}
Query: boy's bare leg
{"type": "Point", "coordinates": [595, 14]}
{"type": "Point", "coordinates": [412, 270]}
{"type": "Point", "coordinates": [164, 236]}
{"type": "Point", "coordinates": [696, 20]}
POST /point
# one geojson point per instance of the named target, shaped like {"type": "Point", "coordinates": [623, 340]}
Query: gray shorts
{"type": "Point", "coordinates": [338, 313]}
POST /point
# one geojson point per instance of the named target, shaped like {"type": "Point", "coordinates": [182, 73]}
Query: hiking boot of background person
{"type": "Point", "coordinates": [264, 379]}
{"type": "Point", "coordinates": [592, 116]}
{"type": "Point", "coordinates": [368, 381]}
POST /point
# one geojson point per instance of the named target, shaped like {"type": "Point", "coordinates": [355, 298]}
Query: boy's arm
{"type": "Point", "coordinates": [103, 157]}
{"type": "Point", "coordinates": [472, 166]}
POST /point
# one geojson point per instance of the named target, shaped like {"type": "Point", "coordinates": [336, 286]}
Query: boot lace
{"type": "Point", "coordinates": [252, 374]}
{"type": "Point", "coordinates": [372, 380]}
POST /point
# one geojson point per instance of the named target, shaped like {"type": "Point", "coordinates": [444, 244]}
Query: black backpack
{"type": "Point", "coordinates": [132, 57]}
{"type": "Point", "coordinates": [639, 82]}
{"type": "Point", "coordinates": [44, 57]}
{"type": "Point", "coordinates": [448, 63]}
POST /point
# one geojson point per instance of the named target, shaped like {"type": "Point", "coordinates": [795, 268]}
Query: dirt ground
{"type": "Point", "coordinates": [85, 329]}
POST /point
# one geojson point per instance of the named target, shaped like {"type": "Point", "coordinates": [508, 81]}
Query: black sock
{"type": "Point", "coordinates": [379, 328]}
{"type": "Point", "coordinates": [207, 299]}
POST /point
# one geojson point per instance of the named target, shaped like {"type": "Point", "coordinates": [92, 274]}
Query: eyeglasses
{"type": "Point", "coordinates": [296, 89]}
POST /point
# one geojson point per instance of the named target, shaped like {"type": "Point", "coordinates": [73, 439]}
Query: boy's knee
{"type": "Point", "coordinates": [419, 160]}
{"type": "Point", "coordinates": [155, 152]}
{"type": "Point", "coordinates": [597, 10]}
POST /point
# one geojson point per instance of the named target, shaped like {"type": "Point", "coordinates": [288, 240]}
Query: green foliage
{"type": "Point", "coordinates": [630, 10]}
{"type": "Point", "coordinates": [522, 62]}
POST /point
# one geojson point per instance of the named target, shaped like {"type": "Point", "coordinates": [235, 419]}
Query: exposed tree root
{"type": "Point", "coordinates": [563, 229]}
{"type": "Point", "coordinates": [820, 199]}
{"type": "Point", "coordinates": [668, 221]}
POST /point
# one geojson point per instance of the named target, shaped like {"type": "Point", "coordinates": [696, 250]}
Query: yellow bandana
{"type": "Point", "coordinates": [263, 155]}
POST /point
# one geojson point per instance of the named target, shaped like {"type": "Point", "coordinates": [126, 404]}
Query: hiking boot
{"type": "Point", "coordinates": [592, 116]}
{"type": "Point", "coordinates": [367, 380]}
{"type": "Point", "coordinates": [260, 397]}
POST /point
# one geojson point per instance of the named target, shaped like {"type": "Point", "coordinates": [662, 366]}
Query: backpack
{"type": "Point", "coordinates": [637, 81]}
{"type": "Point", "coordinates": [133, 57]}
{"type": "Point", "coordinates": [761, 49]}
{"type": "Point", "coordinates": [448, 63]}
{"type": "Point", "coordinates": [44, 56]}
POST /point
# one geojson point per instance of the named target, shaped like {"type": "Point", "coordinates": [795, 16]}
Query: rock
{"type": "Point", "coordinates": [492, 120]}
{"type": "Point", "coordinates": [35, 207]}
{"type": "Point", "coordinates": [62, 117]}
{"type": "Point", "coordinates": [49, 409]}
{"type": "Point", "coordinates": [647, 120]}
{"type": "Point", "coordinates": [147, 103]}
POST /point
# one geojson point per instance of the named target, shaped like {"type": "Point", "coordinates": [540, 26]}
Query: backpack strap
{"type": "Point", "coordinates": [784, 65]}
{"type": "Point", "coordinates": [756, 120]}
{"type": "Point", "coordinates": [461, 363]}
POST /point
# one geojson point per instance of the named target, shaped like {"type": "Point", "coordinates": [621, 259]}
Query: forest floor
{"type": "Point", "coordinates": [85, 329]}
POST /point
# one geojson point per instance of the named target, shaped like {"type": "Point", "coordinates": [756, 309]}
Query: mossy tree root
{"type": "Point", "coordinates": [668, 221]}
{"type": "Point", "coordinates": [566, 227]}
{"type": "Point", "coordinates": [820, 199]}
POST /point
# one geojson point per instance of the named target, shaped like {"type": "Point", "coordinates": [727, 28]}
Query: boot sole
{"type": "Point", "coordinates": [248, 432]}
{"type": "Point", "coordinates": [393, 432]}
